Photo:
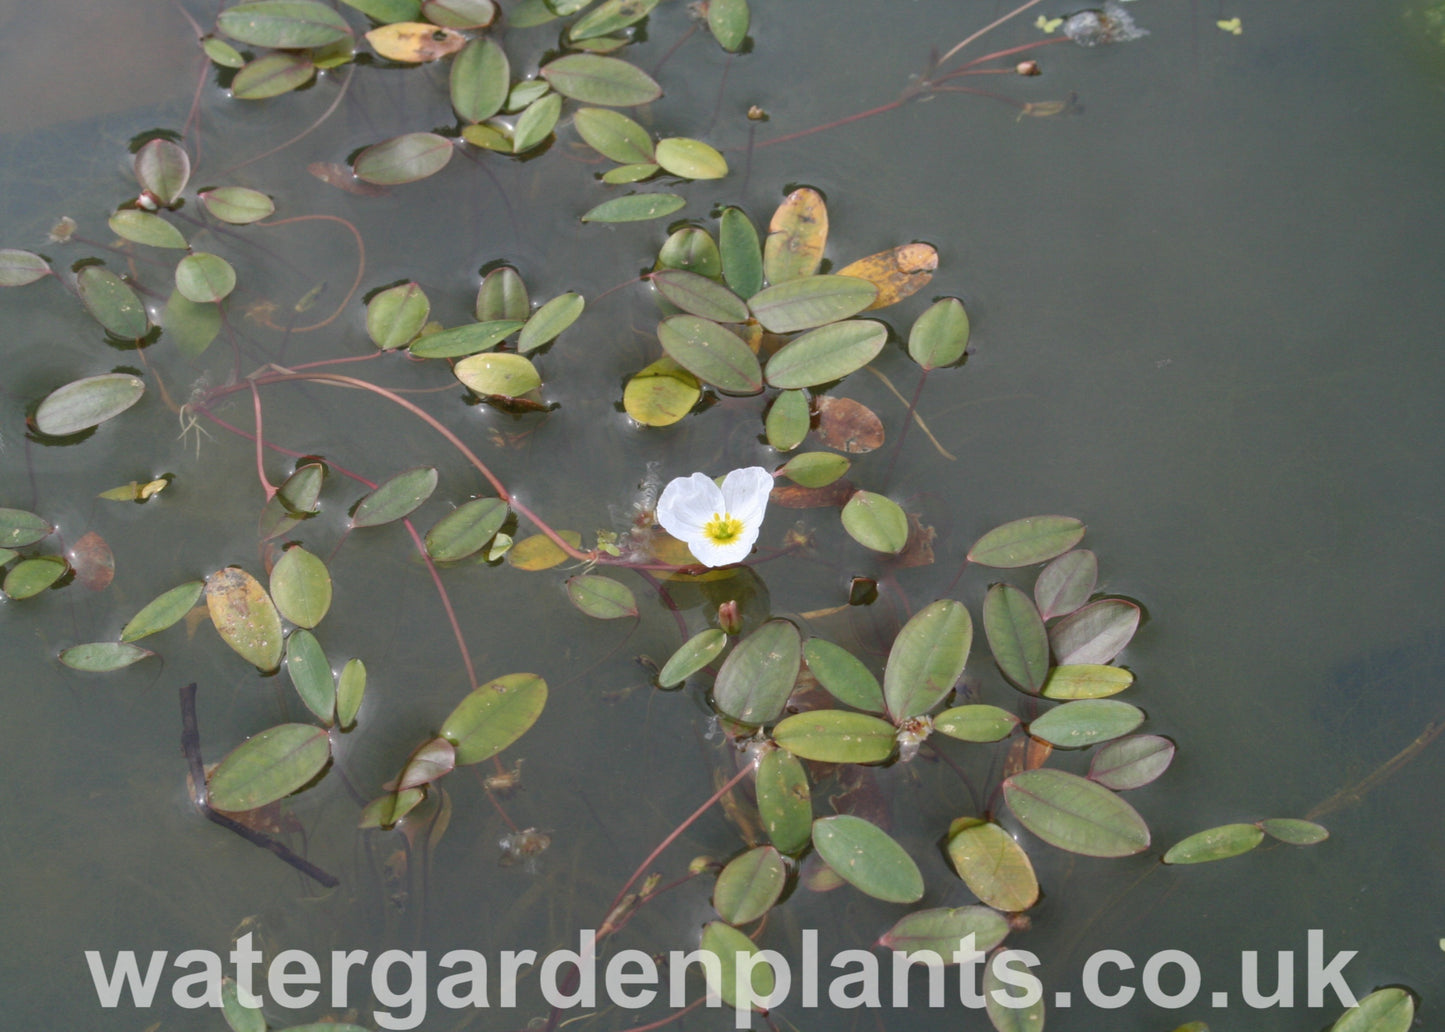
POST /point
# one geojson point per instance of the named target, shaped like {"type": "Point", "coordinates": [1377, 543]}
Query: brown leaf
{"type": "Point", "coordinates": [898, 272]}
{"type": "Point", "coordinates": [791, 496]}
{"type": "Point", "coordinates": [93, 562]}
{"type": "Point", "coordinates": [848, 426]}
{"type": "Point", "coordinates": [919, 549]}
{"type": "Point", "coordinates": [415, 42]}
{"type": "Point", "coordinates": [796, 237]}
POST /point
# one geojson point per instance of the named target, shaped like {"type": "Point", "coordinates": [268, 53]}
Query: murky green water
{"type": "Point", "coordinates": [1206, 307]}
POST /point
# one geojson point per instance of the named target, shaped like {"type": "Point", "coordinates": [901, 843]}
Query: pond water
{"type": "Point", "coordinates": [1205, 303]}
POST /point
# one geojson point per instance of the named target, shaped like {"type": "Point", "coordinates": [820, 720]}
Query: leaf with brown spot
{"type": "Point", "coordinates": [796, 237]}
{"type": "Point", "coordinates": [919, 550]}
{"type": "Point", "coordinates": [415, 42]}
{"type": "Point", "coordinates": [93, 562]}
{"type": "Point", "coordinates": [898, 272]}
{"type": "Point", "coordinates": [848, 425]}
{"type": "Point", "coordinates": [791, 496]}
{"type": "Point", "coordinates": [245, 617]}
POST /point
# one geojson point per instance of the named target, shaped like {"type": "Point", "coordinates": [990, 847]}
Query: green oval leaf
{"type": "Point", "coordinates": [727, 944]}
{"type": "Point", "coordinates": [944, 930]}
{"type": "Point", "coordinates": [403, 159]}
{"type": "Point", "coordinates": [826, 354]}
{"type": "Point", "coordinates": [549, 321]}
{"type": "Point", "coordinates": [464, 340]}
{"type": "Point", "coordinates": [163, 611]}
{"type": "Point", "coordinates": [801, 304]}
{"type": "Point", "coordinates": [204, 277]}
{"type": "Point", "coordinates": [239, 1018]}
{"type": "Point", "coordinates": [163, 167]}
{"type": "Point", "coordinates": [466, 529]}
{"type": "Point", "coordinates": [1096, 633]}
{"type": "Point", "coordinates": [502, 296]}
{"type": "Point", "coordinates": [1219, 843]}
{"type": "Point", "coordinates": [865, 856]}
{"type": "Point", "coordinates": [1131, 762]}
{"type": "Point", "coordinates": [18, 268]}
{"type": "Point", "coordinates": [758, 675]}
{"type": "Point", "coordinates": [87, 402]}
{"type": "Point", "coordinates": [103, 656]}
{"type": "Point", "coordinates": [660, 394]}
{"type": "Point", "coordinates": [245, 617]}
{"type": "Point", "coordinates": [396, 498]}
{"type": "Point", "coordinates": [694, 654]}
{"type": "Point", "coordinates": [268, 767]}
{"type": "Point", "coordinates": [715, 354]}
{"type": "Point", "coordinates": [271, 76]}
{"type": "Point", "coordinates": [1034, 539]}
{"type": "Point", "coordinates": [190, 326]}
{"type": "Point", "coordinates": [727, 20]}
{"type": "Point", "coordinates": [700, 296]}
{"type": "Point", "coordinates": [459, 14]}
{"type": "Point", "coordinates": [624, 174]}
{"type": "Point", "coordinates": [601, 597]}
{"type": "Point", "coordinates": [1294, 831]}
{"type": "Point", "coordinates": [494, 716]}
{"type": "Point", "coordinates": [536, 123]}
{"type": "Point", "coordinates": [613, 135]}
{"type": "Point", "coordinates": [1074, 814]}
{"type": "Point", "coordinates": [498, 374]}
{"type": "Point", "coordinates": [283, 24]}
{"type": "Point", "coordinates": [976, 722]}
{"type": "Point", "coordinates": [690, 159]}
{"type": "Point", "coordinates": [1066, 583]}
{"type": "Point", "coordinates": [836, 736]}
{"type": "Point", "coordinates": [843, 675]}
{"type": "Point", "coordinates": [141, 227]}
{"type": "Point", "coordinates": [1077, 725]}
{"type": "Point", "coordinates": [635, 208]}
{"type": "Point", "coordinates": [692, 249]}
{"type": "Point", "coordinates": [293, 501]}
{"type": "Point", "coordinates": [1016, 636]}
{"type": "Point", "coordinates": [301, 587]}
{"type": "Point", "coordinates": [396, 315]}
{"type": "Point", "coordinates": [1086, 681]}
{"type": "Point", "coordinates": [238, 205]}
{"type": "Point", "coordinates": [19, 528]}
{"type": "Point", "coordinates": [610, 16]}
{"type": "Point", "coordinates": [749, 885]}
{"type": "Point", "coordinates": [927, 658]}
{"type": "Point", "coordinates": [30, 577]}
{"type": "Point", "coordinates": [112, 303]}
{"type": "Point", "coordinates": [993, 866]}
{"type": "Point", "coordinates": [875, 522]}
{"type": "Point", "coordinates": [350, 690]}
{"type": "Point", "coordinates": [310, 674]}
{"type": "Point", "coordinates": [742, 255]}
{"type": "Point", "coordinates": [481, 76]}
{"type": "Point", "coordinates": [1384, 1010]}
{"type": "Point", "coordinates": [788, 420]}
{"type": "Point", "coordinates": [594, 79]}
{"type": "Point", "coordinates": [939, 336]}
{"type": "Point", "coordinates": [816, 469]}
{"type": "Point", "coordinates": [1006, 1003]}
{"type": "Point", "coordinates": [784, 801]}
{"type": "Point", "coordinates": [221, 52]}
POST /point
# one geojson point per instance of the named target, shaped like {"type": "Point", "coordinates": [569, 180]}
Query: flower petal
{"type": "Point", "coordinates": [687, 504]}
{"type": "Point", "coordinates": [745, 493]}
{"type": "Point", "coordinates": [734, 551]}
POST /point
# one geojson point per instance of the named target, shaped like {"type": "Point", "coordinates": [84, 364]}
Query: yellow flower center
{"type": "Point", "coordinates": [722, 529]}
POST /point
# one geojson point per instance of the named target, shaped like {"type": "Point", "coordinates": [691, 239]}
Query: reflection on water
{"type": "Point", "coordinates": [1205, 308]}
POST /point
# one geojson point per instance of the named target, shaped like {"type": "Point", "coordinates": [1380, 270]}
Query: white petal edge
{"type": "Point", "coordinates": [686, 505]}
{"type": "Point", "coordinates": [745, 493]}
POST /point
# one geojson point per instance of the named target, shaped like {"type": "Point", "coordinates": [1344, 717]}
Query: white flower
{"type": "Point", "coordinates": [719, 525]}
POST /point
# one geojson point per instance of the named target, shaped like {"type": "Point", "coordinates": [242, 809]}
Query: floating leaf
{"type": "Point", "coordinates": [927, 658]}
{"type": "Point", "coordinates": [430, 761]}
{"type": "Point", "coordinates": [30, 577]}
{"type": "Point", "coordinates": [787, 420]}
{"type": "Point", "coordinates": [293, 501]}
{"type": "Point", "coordinates": [310, 673]}
{"type": "Point", "coordinates": [1219, 843]}
{"type": "Point", "coordinates": [836, 736]}
{"type": "Point", "coordinates": [692, 249]}
{"type": "Point", "coordinates": [301, 587]}
{"type": "Point", "coordinates": [350, 689]}
{"type": "Point", "coordinates": [728, 944]}
{"type": "Point", "coordinates": [163, 611]}
{"type": "Point", "coordinates": [826, 354]}
{"type": "Point", "coordinates": [716, 355]}
{"type": "Point", "coordinates": [539, 552]}
{"type": "Point", "coordinates": [848, 425]}
{"type": "Point", "coordinates": [1384, 1010]}
{"type": "Point", "coordinates": [843, 675]}
{"type": "Point", "coordinates": [694, 654]}
{"type": "Point", "coordinates": [635, 208]}
{"type": "Point", "coordinates": [660, 394]}
{"type": "Point", "coordinates": [18, 268]}
{"type": "Point", "coordinates": [939, 336]}
{"type": "Point", "coordinates": [1066, 583]}
{"type": "Point", "coordinates": [87, 402]}
{"type": "Point", "coordinates": [141, 227]}
{"type": "Point", "coordinates": [466, 529]}
{"type": "Point", "coordinates": [742, 256]}
{"type": "Point", "coordinates": [283, 24]}
{"type": "Point", "coordinates": [1075, 725]}
{"type": "Point", "coordinates": [530, 13]}
{"type": "Point", "coordinates": [415, 42]}
{"type": "Point", "coordinates": [382, 812]}
{"type": "Point", "coordinates": [1074, 814]}
{"type": "Point", "coordinates": [898, 273]}
{"type": "Point", "coordinates": [784, 802]}
{"type": "Point", "coordinates": [396, 315]}
{"type": "Point", "coordinates": [1131, 762]}
{"type": "Point", "coordinates": [624, 174]}
{"type": "Point", "coordinates": [865, 856]}
{"type": "Point", "coordinates": [758, 675]}
{"type": "Point", "coordinates": [613, 135]}
{"type": "Point", "coordinates": [239, 1018]}
{"type": "Point", "coordinates": [204, 277]}
{"type": "Point", "coordinates": [498, 373]}
{"type": "Point", "coordinates": [395, 498]}
{"type": "Point", "coordinates": [727, 20]}
{"type": "Point", "coordinates": [976, 722]}
{"type": "Point", "coordinates": [802, 304]}
{"type": "Point", "coordinates": [797, 235]}
{"type": "Point", "coordinates": [700, 296]}
{"type": "Point", "coordinates": [876, 522]}
{"type": "Point", "coordinates": [464, 340]}
{"type": "Point", "coordinates": [944, 931]}
{"type": "Point", "coordinates": [610, 16]}
{"type": "Point", "coordinates": [268, 767]}
{"type": "Point", "coordinates": [690, 159]}
{"type": "Point", "coordinates": [816, 469]}
{"type": "Point", "coordinates": [1007, 1004]}
{"type": "Point", "coordinates": [993, 866]}
{"type": "Point", "coordinates": [480, 78]}
{"type": "Point", "coordinates": [460, 14]}
{"type": "Point", "coordinates": [1096, 633]}
{"type": "Point", "coordinates": [594, 79]}
{"type": "Point", "coordinates": [1034, 539]}
{"type": "Point", "coordinates": [1016, 636]}
{"type": "Point", "coordinates": [271, 76]}
{"type": "Point", "coordinates": [163, 167]}
{"type": "Point", "coordinates": [103, 656]}
{"type": "Point", "coordinates": [112, 303]}
{"type": "Point", "coordinates": [749, 885]}
{"type": "Point", "coordinates": [536, 123]}
{"type": "Point", "coordinates": [245, 617]}
{"type": "Point", "coordinates": [601, 597]}
{"type": "Point", "coordinates": [502, 296]}
{"type": "Point", "coordinates": [19, 528]}
{"type": "Point", "coordinates": [403, 159]}
{"type": "Point", "coordinates": [1294, 831]}
{"type": "Point", "coordinates": [1086, 681]}
{"type": "Point", "coordinates": [93, 562]}
{"type": "Point", "coordinates": [238, 205]}
{"type": "Point", "coordinates": [494, 716]}
{"type": "Point", "coordinates": [221, 52]}
{"type": "Point", "coordinates": [388, 10]}
{"type": "Point", "coordinates": [549, 321]}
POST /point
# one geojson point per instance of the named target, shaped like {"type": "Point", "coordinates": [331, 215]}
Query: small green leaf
{"type": "Point", "coordinates": [494, 716]}
{"type": "Point", "coordinates": [498, 374]}
{"type": "Point", "coordinates": [87, 402]}
{"type": "Point", "coordinates": [865, 856]}
{"type": "Point", "coordinates": [103, 656]}
{"type": "Point", "coordinates": [692, 249]}
{"type": "Point", "coordinates": [601, 597]}
{"type": "Point", "coordinates": [29, 577]}
{"type": "Point", "coordinates": [190, 326]}
{"type": "Point", "coordinates": [727, 20]}
{"type": "Point", "coordinates": [1074, 814]}
{"type": "Point", "coordinates": [245, 617]}
{"type": "Point", "coordinates": [1096, 633]}
{"type": "Point", "coordinates": [827, 353]}
{"type": "Point", "coordinates": [1024, 542]}
{"type": "Point", "coordinates": [1219, 843]}
{"type": "Point", "coordinates": [18, 268]}
{"type": "Point", "coordinates": [403, 159]}
{"type": "Point", "coordinates": [238, 1017]}
{"type": "Point", "coordinates": [802, 304]}
{"type": "Point", "coordinates": [613, 135]}
{"type": "Point", "coordinates": [388, 11]}
{"type": "Point", "coordinates": [460, 14]}
{"type": "Point", "coordinates": [784, 801]}
{"type": "Point", "coordinates": [310, 674]}
{"type": "Point", "coordinates": [700, 296]}
{"type": "Point", "coordinates": [381, 812]}
{"type": "Point", "coordinates": [728, 944]}
{"type": "Point", "coordinates": [464, 340]}
{"type": "Point", "coordinates": [271, 76]}
{"type": "Point", "coordinates": [301, 587]}
{"type": "Point", "coordinates": [788, 420]}
{"type": "Point", "coordinates": [396, 498]}
{"type": "Point", "coordinates": [927, 658]}
{"type": "Point", "coordinates": [1066, 583]}
{"type": "Point", "coordinates": [843, 675]}
{"type": "Point", "coordinates": [715, 354]}
{"type": "Point", "coordinates": [19, 528]}
{"type": "Point", "coordinates": [610, 16]}
{"type": "Point", "coordinates": [1131, 762]}
{"type": "Point", "coordinates": [396, 315]}
{"type": "Point", "coordinates": [492, 135]}
{"type": "Point", "coordinates": [993, 866]}
{"type": "Point", "coordinates": [1016, 636]}
{"type": "Point", "coordinates": [625, 174]}
{"type": "Point", "coordinates": [690, 159]}
{"type": "Point", "coordinates": [749, 885]}
{"type": "Point", "coordinates": [141, 227]}
{"type": "Point", "coordinates": [758, 675]}
{"type": "Point", "coordinates": [635, 208]}
{"type": "Point", "coordinates": [691, 656]}
{"type": "Point", "coordinates": [815, 469]}
{"type": "Point", "coordinates": [594, 79]}
{"type": "Point", "coordinates": [238, 205]}
{"type": "Point", "coordinates": [939, 336]}
{"type": "Point", "coordinates": [350, 690]}
{"type": "Point", "coordinates": [163, 167]}
{"type": "Point", "coordinates": [836, 736]}
{"type": "Point", "coordinates": [536, 123]}
{"type": "Point", "coordinates": [221, 52]}
{"type": "Point", "coordinates": [112, 303]}
{"type": "Point", "coordinates": [529, 14]}
{"type": "Point", "coordinates": [660, 394]}
{"type": "Point", "coordinates": [875, 522]}
{"type": "Point", "coordinates": [466, 529]}
{"type": "Point", "coordinates": [204, 277]}
{"type": "Point", "coordinates": [1294, 831]}
{"type": "Point", "coordinates": [1384, 1010]}
{"type": "Point", "coordinates": [293, 501]}
{"type": "Point", "coordinates": [283, 24]}
{"type": "Point", "coordinates": [502, 296]}
{"type": "Point", "coordinates": [549, 321]}
{"type": "Point", "coordinates": [1076, 725]}
{"type": "Point", "coordinates": [1086, 681]}
{"type": "Point", "coordinates": [945, 930]}
{"type": "Point", "coordinates": [268, 767]}
{"type": "Point", "coordinates": [1007, 1004]}
{"type": "Point", "coordinates": [976, 722]}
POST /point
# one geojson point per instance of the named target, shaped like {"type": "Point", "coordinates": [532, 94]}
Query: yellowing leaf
{"type": "Point", "coordinates": [245, 617]}
{"type": "Point", "coordinates": [796, 237]}
{"type": "Point", "coordinates": [415, 42]}
{"type": "Point", "coordinates": [134, 491]}
{"type": "Point", "coordinates": [1049, 25]}
{"type": "Point", "coordinates": [539, 552]}
{"type": "Point", "coordinates": [897, 273]}
{"type": "Point", "coordinates": [1231, 25]}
